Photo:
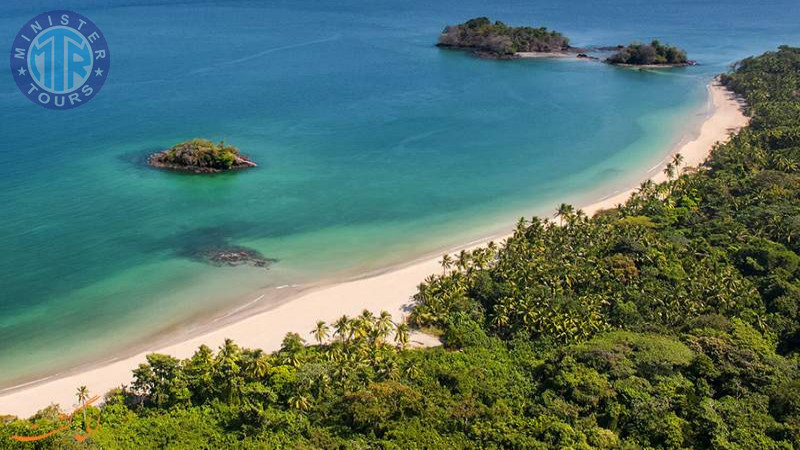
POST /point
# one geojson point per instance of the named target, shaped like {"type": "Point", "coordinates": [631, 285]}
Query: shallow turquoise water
{"type": "Point", "coordinates": [374, 146]}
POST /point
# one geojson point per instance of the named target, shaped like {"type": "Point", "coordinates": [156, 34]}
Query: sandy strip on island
{"type": "Point", "coordinates": [546, 55]}
{"type": "Point", "coordinates": [571, 55]}
{"type": "Point", "coordinates": [390, 291]}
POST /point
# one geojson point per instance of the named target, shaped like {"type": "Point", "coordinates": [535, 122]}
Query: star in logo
{"type": "Point", "coordinates": [98, 72]}
{"type": "Point", "coordinates": [21, 71]}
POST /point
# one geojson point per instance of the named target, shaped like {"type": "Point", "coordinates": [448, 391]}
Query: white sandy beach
{"type": "Point", "coordinates": [546, 55]}
{"type": "Point", "coordinates": [390, 291]}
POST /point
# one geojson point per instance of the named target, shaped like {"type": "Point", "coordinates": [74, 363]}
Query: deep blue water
{"type": "Point", "coordinates": [374, 145]}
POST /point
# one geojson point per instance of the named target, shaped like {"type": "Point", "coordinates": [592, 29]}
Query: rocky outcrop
{"type": "Point", "coordinates": [232, 256]}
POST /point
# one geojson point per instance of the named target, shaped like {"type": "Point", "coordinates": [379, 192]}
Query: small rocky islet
{"type": "Point", "coordinates": [200, 156]}
{"type": "Point", "coordinates": [652, 55]}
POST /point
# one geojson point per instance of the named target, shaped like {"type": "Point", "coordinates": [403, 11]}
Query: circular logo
{"type": "Point", "coordinates": [60, 59]}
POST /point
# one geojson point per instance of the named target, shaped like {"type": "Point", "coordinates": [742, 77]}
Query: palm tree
{"type": "Point", "coordinates": [229, 353]}
{"type": "Point", "coordinates": [300, 402]}
{"type": "Point", "coordinates": [367, 316]}
{"type": "Point", "coordinates": [362, 325]}
{"type": "Point", "coordinates": [669, 170]}
{"type": "Point", "coordinates": [323, 383]}
{"type": "Point", "coordinates": [501, 317]}
{"type": "Point", "coordinates": [411, 371]}
{"type": "Point", "coordinates": [258, 367]}
{"type": "Point", "coordinates": [342, 328]}
{"type": "Point", "coordinates": [446, 263]}
{"type": "Point", "coordinates": [333, 352]}
{"type": "Point", "coordinates": [677, 160]}
{"type": "Point", "coordinates": [481, 257]}
{"type": "Point", "coordinates": [83, 395]}
{"type": "Point", "coordinates": [227, 362]}
{"type": "Point", "coordinates": [521, 225]}
{"type": "Point", "coordinates": [564, 211]}
{"type": "Point", "coordinates": [781, 162]}
{"type": "Point", "coordinates": [401, 335]}
{"type": "Point", "coordinates": [384, 323]}
{"type": "Point", "coordinates": [463, 260]}
{"type": "Point", "coordinates": [647, 187]}
{"type": "Point", "coordinates": [320, 332]}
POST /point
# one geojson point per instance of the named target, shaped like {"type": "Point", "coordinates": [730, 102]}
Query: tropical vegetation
{"type": "Point", "coordinates": [652, 54]}
{"type": "Point", "coordinates": [500, 40]}
{"type": "Point", "coordinates": [672, 321]}
{"type": "Point", "coordinates": [200, 155]}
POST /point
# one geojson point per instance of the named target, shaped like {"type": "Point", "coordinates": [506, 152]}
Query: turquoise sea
{"type": "Point", "coordinates": [375, 148]}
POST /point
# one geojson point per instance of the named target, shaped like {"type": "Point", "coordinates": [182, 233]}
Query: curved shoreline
{"type": "Point", "coordinates": [396, 285]}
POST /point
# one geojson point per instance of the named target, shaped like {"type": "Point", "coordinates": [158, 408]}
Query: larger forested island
{"type": "Point", "coordinates": [200, 156]}
{"type": "Point", "coordinates": [670, 322]}
{"type": "Point", "coordinates": [498, 40]}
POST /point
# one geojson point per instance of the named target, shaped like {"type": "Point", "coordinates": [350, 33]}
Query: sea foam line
{"type": "Point", "coordinates": [262, 53]}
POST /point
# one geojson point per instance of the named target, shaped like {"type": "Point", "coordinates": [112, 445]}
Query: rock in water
{"type": "Point", "coordinates": [233, 256]}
